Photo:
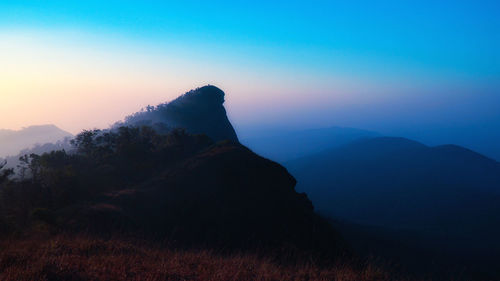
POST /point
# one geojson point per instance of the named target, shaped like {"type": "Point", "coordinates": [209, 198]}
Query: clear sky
{"type": "Point", "coordinates": [428, 69]}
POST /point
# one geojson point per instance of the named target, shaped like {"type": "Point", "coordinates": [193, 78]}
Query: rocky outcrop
{"type": "Point", "coordinates": [199, 111]}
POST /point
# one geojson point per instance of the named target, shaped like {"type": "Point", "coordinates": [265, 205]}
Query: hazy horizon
{"type": "Point", "coordinates": [426, 71]}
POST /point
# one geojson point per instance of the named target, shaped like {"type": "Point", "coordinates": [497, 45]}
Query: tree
{"type": "Point", "coordinates": [4, 174]}
{"type": "Point", "coordinates": [23, 165]}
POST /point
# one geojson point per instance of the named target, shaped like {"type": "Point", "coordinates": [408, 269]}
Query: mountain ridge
{"type": "Point", "coordinates": [13, 141]}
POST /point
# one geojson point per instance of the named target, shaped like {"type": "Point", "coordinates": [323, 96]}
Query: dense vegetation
{"type": "Point", "coordinates": [102, 161]}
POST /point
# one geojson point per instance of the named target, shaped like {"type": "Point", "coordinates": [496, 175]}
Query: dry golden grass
{"type": "Point", "coordinates": [84, 258]}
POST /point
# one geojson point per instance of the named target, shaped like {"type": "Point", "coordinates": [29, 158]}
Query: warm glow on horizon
{"type": "Point", "coordinates": [82, 84]}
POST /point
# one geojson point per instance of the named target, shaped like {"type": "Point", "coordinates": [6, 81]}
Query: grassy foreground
{"type": "Point", "coordinates": [85, 258]}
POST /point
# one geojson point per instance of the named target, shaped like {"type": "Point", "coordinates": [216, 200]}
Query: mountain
{"type": "Point", "coordinates": [447, 191]}
{"type": "Point", "coordinates": [12, 142]}
{"type": "Point", "coordinates": [196, 190]}
{"type": "Point", "coordinates": [199, 111]}
{"type": "Point", "coordinates": [286, 146]}
{"type": "Point", "coordinates": [176, 173]}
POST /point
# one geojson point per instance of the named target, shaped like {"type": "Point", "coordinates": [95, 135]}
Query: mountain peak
{"type": "Point", "coordinates": [199, 111]}
{"type": "Point", "coordinates": [208, 94]}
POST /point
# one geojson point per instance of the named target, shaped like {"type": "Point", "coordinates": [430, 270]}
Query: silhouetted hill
{"type": "Point", "coordinates": [162, 181]}
{"type": "Point", "coordinates": [448, 191]}
{"type": "Point", "coordinates": [291, 145]}
{"type": "Point", "coordinates": [199, 111]}
{"type": "Point", "coordinates": [12, 142]}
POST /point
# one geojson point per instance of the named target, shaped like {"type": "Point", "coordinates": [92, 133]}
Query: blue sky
{"type": "Point", "coordinates": [448, 37]}
{"type": "Point", "coordinates": [393, 66]}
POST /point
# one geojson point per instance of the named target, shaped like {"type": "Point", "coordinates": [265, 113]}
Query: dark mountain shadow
{"type": "Point", "coordinates": [396, 181]}
{"type": "Point", "coordinates": [447, 195]}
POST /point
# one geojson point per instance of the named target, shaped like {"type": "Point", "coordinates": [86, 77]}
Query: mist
{"type": "Point", "coordinates": [470, 119]}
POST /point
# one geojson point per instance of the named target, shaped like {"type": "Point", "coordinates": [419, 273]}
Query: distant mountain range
{"type": "Point", "coordinates": [12, 142]}
{"type": "Point", "coordinates": [291, 145]}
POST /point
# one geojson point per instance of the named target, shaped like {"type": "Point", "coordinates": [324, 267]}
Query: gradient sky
{"type": "Point", "coordinates": [426, 70]}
